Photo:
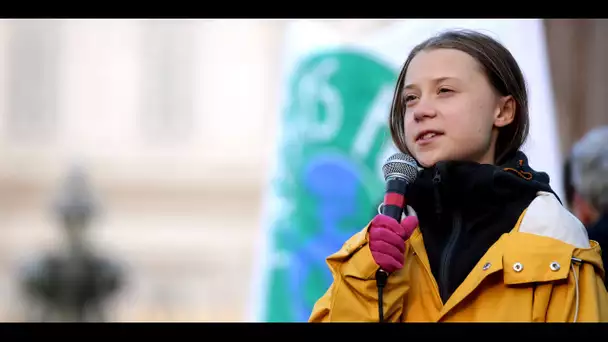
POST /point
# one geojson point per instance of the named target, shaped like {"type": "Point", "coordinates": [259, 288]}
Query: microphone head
{"type": "Point", "coordinates": [401, 165]}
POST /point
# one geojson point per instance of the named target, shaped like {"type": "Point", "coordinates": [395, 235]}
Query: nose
{"type": "Point", "coordinates": [424, 111]}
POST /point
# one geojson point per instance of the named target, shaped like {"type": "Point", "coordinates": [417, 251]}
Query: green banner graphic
{"type": "Point", "coordinates": [329, 184]}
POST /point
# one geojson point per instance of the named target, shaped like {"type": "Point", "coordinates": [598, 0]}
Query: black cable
{"type": "Point", "coordinates": [381, 277]}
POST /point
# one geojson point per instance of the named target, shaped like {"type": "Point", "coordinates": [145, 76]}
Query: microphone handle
{"type": "Point", "coordinates": [394, 198]}
{"type": "Point", "coordinates": [393, 206]}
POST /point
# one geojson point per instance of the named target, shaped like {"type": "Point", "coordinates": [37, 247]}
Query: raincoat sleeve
{"type": "Point", "coordinates": [581, 297]}
{"type": "Point", "coordinates": [353, 295]}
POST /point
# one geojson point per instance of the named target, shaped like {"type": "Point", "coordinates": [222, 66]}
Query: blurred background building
{"type": "Point", "coordinates": [176, 122]}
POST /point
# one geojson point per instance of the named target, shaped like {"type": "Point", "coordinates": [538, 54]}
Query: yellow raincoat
{"type": "Point", "coordinates": [544, 270]}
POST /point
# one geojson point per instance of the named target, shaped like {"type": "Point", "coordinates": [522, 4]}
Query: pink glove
{"type": "Point", "coordinates": [387, 240]}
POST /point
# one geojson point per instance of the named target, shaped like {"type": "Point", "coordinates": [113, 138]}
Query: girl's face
{"type": "Point", "coordinates": [452, 111]}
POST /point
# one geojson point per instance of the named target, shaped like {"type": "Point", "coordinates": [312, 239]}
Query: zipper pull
{"type": "Point", "coordinates": [437, 177]}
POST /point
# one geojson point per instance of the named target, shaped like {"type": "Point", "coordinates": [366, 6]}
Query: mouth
{"type": "Point", "coordinates": [427, 135]}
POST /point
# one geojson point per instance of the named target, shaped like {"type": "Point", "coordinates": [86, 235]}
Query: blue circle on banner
{"type": "Point", "coordinates": [334, 182]}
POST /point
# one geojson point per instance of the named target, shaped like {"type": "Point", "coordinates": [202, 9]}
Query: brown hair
{"type": "Point", "coordinates": [502, 71]}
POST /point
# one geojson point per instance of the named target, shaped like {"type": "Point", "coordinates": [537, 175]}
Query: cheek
{"type": "Point", "coordinates": [408, 127]}
{"type": "Point", "coordinates": [472, 121]}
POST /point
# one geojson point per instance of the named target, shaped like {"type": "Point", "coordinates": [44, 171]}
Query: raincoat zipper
{"type": "Point", "coordinates": [447, 257]}
{"type": "Point", "coordinates": [437, 184]}
{"type": "Point", "coordinates": [451, 243]}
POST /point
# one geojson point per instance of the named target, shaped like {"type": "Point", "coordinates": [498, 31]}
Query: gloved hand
{"type": "Point", "coordinates": [387, 240]}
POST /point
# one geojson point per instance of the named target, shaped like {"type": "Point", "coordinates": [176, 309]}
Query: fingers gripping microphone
{"type": "Point", "coordinates": [399, 170]}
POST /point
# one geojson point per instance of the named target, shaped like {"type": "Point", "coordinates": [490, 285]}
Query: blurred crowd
{"type": "Point", "coordinates": [586, 184]}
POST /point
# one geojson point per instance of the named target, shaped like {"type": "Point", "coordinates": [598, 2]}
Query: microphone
{"type": "Point", "coordinates": [399, 171]}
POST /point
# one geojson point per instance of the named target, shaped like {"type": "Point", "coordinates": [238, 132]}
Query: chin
{"type": "Point", "coordinates": [427, 160]}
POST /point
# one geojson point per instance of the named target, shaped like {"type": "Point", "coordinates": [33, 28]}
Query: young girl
{"type": "Point", "coordinates": [490, 240]}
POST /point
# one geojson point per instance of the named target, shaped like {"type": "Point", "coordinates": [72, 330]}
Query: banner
{"type": "Point", "coordinates": [334, 138]}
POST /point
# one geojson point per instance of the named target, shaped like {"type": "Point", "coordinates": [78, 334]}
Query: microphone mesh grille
{"type": "Point", "coordinates": [401, 165]}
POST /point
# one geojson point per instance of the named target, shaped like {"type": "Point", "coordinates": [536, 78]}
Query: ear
{"type": "Point", "coordinates": [505, 113]}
